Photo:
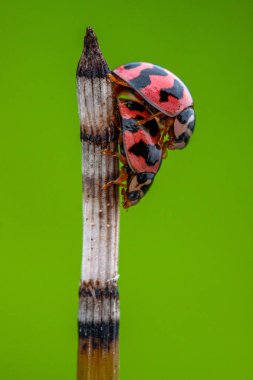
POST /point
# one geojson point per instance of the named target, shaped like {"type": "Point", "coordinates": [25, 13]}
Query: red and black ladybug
{"type": "Point", "coordinates": [157, 114]}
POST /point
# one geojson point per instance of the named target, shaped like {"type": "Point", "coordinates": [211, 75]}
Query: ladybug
{"type": "Point", "coordinates": [140, 151]}
{"type": "Point", "coordinates": [156, 111]}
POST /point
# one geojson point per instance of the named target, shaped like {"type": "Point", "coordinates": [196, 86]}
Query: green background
{"type": "Point", "coordinates": [185, 250]}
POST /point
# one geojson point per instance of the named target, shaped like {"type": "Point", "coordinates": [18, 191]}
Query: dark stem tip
{"type": "Point", "coordinates": [92, 63]}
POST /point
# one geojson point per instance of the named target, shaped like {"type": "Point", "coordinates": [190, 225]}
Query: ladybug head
{"type": "Point", "coordinates": [183, 129]}
{"type": "Point", "coordinates": [137, 186]}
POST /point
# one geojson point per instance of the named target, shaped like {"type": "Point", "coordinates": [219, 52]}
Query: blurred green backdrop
{"type": "Point", "coordinates": [186, 250]}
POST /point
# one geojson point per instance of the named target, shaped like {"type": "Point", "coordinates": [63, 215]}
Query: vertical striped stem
{"type": "Point", "coordinates": [98, 317]}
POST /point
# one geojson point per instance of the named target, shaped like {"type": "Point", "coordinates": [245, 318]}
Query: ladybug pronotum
{"type": "Point", "coordinates": [156, 112]}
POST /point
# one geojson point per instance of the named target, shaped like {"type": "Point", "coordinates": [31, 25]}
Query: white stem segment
{"type": "Point", "coordinates": [100, 207]}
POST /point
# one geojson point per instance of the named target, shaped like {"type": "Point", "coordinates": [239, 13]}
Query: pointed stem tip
{"type": "Point", "coordinates": [90, 42]}
{"type": "Point", "coordinates": [92, 63]}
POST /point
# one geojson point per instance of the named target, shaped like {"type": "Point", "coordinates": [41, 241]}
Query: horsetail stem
{"type": "Point", "coordinates": [98, 317]}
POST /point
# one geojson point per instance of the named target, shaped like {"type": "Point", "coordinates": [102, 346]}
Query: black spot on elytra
{"type": "Point", "coordinates": [130, 124]}
{"type": "Point", "coordinates": [143, 78]}
{"type": "Point", "coordinates": [132, 65]}
{"type": "Point", "coordinates": [150, 153]}
{"type": "Point", "coordinates": [176, 91]}
{"type": "Point", "coordinates": [152, 127]}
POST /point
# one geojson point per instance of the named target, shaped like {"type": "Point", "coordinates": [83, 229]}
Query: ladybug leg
{"type": "Point", "coordinates": [166, 130]}
{"type": "Point", "coordinates": [168, 144]}
{"type": "Point", "coordinates": [123, 176]}
{"type": "Point", "coordinates": [164, 149]}
{"type": "Point", "coordinates": [109, 152]}
{"type": "Point", "coordinates": [163, 135]}
{"type": "Point", "coordinates": [116, 155]}
{"type": "Point", "coordinates": [123, 159]}
{"type": "Point", "coordinates": [165, 144]}
{"type": "Point", "coordinates": [117, 80]}
{"type": "Point", "coordinates": [143, 121]}
{"type": "Point", "coordinates": [171, 140]}
{"type": "Point", "coordinates": [124, 195]}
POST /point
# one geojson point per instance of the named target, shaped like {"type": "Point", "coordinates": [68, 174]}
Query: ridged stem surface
{"type": "Point", "coordinates": [98, 317]}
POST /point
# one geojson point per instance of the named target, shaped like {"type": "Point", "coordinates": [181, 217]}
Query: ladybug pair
{"type": "Point", "coordinates": [156, 112]}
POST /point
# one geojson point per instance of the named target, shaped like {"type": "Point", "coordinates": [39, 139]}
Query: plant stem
{"type": "Point", "coordinates": [98, 317]}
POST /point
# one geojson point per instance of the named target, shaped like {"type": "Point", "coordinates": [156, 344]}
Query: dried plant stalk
{"type": "Point", "coordinates": [98, 318]}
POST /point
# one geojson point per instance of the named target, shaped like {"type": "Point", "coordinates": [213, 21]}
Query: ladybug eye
{"type": "Point", "coordinates": [185, 115]}
{"type": "Point", "coordinates": [135, 106]}
{"type": "Point", "coordinates": [180, 118]}
{"type": "Point", "coordinates": [133, 196]}
{"type": "Point", "coordinates": [129, 104]}
{"type": "Point", "coordinates": [143, 177]}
